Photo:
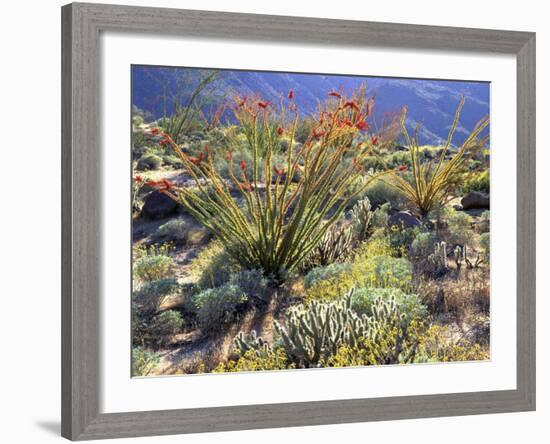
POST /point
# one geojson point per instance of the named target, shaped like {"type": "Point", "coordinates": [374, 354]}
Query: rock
{"type": "Point", "coordinates": [404, 219]}
{"type": "Point", "coordinates": [475, 199]}
{"type": "Point", "coordinates": [158, 206]}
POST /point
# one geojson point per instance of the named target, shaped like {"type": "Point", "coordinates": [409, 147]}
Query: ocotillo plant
{"type": "Point", "coordinates": [284, 218]}
{"type": "Point", "coordinates": [431, 182]}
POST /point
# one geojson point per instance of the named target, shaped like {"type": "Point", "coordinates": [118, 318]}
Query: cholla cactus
{"type": "Point", "coordinates": [438, 259]}
{"type": "Point", "coordinates": [338, 242]}
{"type": "Point", "coordinates": [335, 246]}
{"type": "Point", "coordinates": [313, 334]}
{"type": "Point", "coordinates": [361, 218]}
{"type": "Point", "coordinates": [254, 342]}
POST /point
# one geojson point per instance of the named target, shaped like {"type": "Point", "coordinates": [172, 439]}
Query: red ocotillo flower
{"type": "Point", "coordinates": [359, 145]}
{"type": "Point", "coordinates": [243, 165]}
{"type": "Point", "coordinates": [362, 125]}
{"type": "Point", "coordinates": [279, 171]}
{"type": "Point", "coordinates": [206, 149]}
{"type": "Point", "coordinates": [280, 131]}
{"type": "Point", "coordinates": [374, 139]}
{"type": "Point", "coordinates": [243, 101]}
{"type": "Point", "coordinates": [164, 141]}
{"type": "Point", "coordinates": [155, 131]}
{"type": "Point", "coordinates": [138, 179]}
{"type": "Point", "coordinates": [263, 104]}
{"type": "Point", "coordinates": [290, 94]}
{"type": "Point", "coordinates": [317, 134]}
{"type": "Point", "coordinates": [403, 168]}
{"type": "Point", "coordinates": [351, 104]}
{"type": "Point", "coordinates": [335, 94]}
{"type": "Point", "coordinates": [151, 183]}
{"type": "Point", "coordinates": [166, 185]}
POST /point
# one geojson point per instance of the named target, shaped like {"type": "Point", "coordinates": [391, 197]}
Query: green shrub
{"type": "Point", "coordinates": [409, 305]}
{"type": "Point", "coordinates": [213, 266]}
{"type": "Point", "coordinates": [382, 272]}
{"type": "Point", "coordinates": [460, 226]}
{"type": "Point", "coordinates": [485, 244]}
{"type": "Point", "coordinates": [477, 182]}
{"type": "Point", "coordinates": [149, 161]}
{"type": "Point", "coordinates": [252, 282]}
{"type": "Point", "coordinates": [166, 323]}
{"type": "Point", "coordinates": [381, 216]}
{"type": "Point", "coordinates": [155, 267]}
{"type": "Point", "coordinates": [379, 192]}
{"type": "Point", "coordinates": [318, 274]}
{"type": "Point", "coordinates": [401, 239]}
{"type": "Point", "coordinates": [176, 230]}
{"type": "Point", "coordinates": [172, 161]}
{"type": "Point", "coordinates": [152, 293]}
{"type": "Point", "coordinates": [375, 163]}
{"type": "Point", "coordinates": [143, 361]}
{"type": "Point", "coordinates": [423, 244]}
{"type": "Point", "coordinates": [217, 307]}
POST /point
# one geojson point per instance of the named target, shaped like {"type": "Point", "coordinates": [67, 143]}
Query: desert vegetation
{"type": "Point", "coordinates": [265, 238]}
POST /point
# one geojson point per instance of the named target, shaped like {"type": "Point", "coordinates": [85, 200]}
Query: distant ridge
{"type": "Point", "coordinates": [431, 103]}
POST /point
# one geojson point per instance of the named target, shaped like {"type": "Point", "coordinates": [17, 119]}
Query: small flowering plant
{"type": "Point", "coordinates": [284, 218]}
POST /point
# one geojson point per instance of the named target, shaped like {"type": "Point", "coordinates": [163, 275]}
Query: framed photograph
{"type": "Point", "coordinates": [283, 221]}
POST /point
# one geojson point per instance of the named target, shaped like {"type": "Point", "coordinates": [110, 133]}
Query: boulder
{"type": "Point", "coordinates": [158, 206]}
{"type": "Point", "coordinates": [475, 200]}
{"type": "Point", "coordinates": [404, 219]}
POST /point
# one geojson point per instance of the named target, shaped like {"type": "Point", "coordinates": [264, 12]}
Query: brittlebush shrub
{"type": "Point", "coordinates": [213, 266]}
{"type": "Point", "coordinates": [166, 323]}
{"type": "Point", "coordinates": [254, 360]}
{"type": "Point", "coordinates": [435, 346]}
{"type": "Point", "coordinates": [373, 266]}
{"type": "Point", "coordinates": [150, 268]}
{"type": "Point", "coordinates": [218, 307]}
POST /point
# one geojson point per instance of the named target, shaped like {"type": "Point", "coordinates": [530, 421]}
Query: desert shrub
{"type": "Point", "coordinates": [423, 244]}
{"type": "Point", "coordinates": [149, 161]}
{"type": "Point", "coordinates": [143, 361]}
{"type": "Point", "coordinates": [479, 181]}
{"type": "Point", "coordinates": [380, 192]}
{"type": "Point", "coordinates": [375, 163]}
{"type": "Point", "coordinates": [153, 267]}
{"type": "Point", "coordinates": [399, 159]}
{"type": "Point", "coordinates": [172, 161]}
{"type": "Point", "coordinates": [381, 216]}
{"type": "Point", "coordinates": [168, 322]}
{"type": "Point", "coordinates": [409, 305]}
{"type": "Point", "coordinates": [213, 266]}
{"type": "Point", "coordinates": [485, 245]}
{"type": "Point", "coordinates": [436, 346]}
{"type": "Point", "coordinates": [175, 230]}
{"type": "Point", "coordinates": [394, 342]}
{"type": "Point", "coordinates": [254, 360]}
{"type": "Point", "coordinates": [252, 282]}
{"type": "Point", "coordinates": [217, 307]}
{"type": "Point", "coordinates": [459, 226]}
{"type": "Point", "coordinates": [152, 293]}
{"type": "Point", "coordinates": [401, 238]}
{"type": "Point", "coordinates": [382, 271]}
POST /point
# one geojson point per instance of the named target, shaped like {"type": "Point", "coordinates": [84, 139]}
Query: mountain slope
{"type": "Point", "coordinates": [431, 103]}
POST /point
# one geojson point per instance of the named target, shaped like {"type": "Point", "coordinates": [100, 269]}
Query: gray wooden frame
{"type": "Point", "coordinates": [81, 232]}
